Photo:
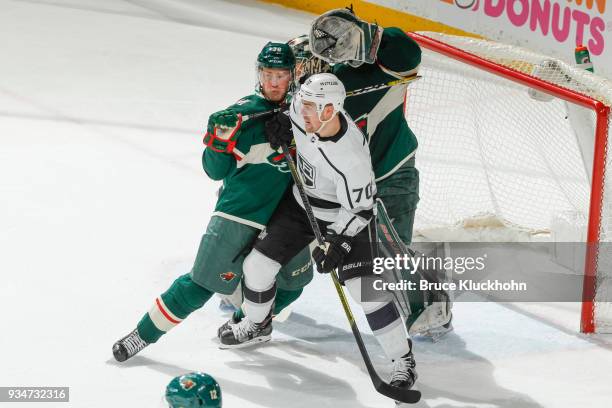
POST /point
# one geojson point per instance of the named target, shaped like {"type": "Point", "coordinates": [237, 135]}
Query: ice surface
{"type": "Point", "coordinates": [103, 201]}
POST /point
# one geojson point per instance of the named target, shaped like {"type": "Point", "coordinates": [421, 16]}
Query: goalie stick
{"type": "Point", "coordinates": [398, 394]}
{"type": "Point", "coordinates": [431, 321]}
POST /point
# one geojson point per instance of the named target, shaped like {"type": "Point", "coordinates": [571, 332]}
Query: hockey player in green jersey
{"type": "Point", "coordinates": [255, 178]}
{"type": "Point", "coordinates": [364, 54]}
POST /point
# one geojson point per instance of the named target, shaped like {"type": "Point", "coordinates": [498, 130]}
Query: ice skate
{"type": "Point", "coordinates": [246, 333]}
{"type": "Point", "coordinates": [404, 373]}
{"type": "Point", "coordinates": [234, 319]}
{"type": "Point", "coordinates": [435, 334]}
{"type": "Point", "coordinates": [128, 346]}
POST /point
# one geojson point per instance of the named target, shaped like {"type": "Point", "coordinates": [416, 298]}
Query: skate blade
{"type": "Point", "coordinates": [437, 334]}
{"type": "Point", "coordinates": [250, 343]}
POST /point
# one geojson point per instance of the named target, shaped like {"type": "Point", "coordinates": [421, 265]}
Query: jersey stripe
{"type": "Point", "coordinates": [298, 126]}
{"type": "Point", "coordinates": [321, 203]}
{"type": "Point", "coordinates": [239, 220]}
{"type": "Point", "coordinates": [397, 166]}
{"type": "Point", "coordinates": [348, 194]}
{"type": "Point", "coordinates": [347, 225]}
{"type": "Point", "coordinates": [162, 317]}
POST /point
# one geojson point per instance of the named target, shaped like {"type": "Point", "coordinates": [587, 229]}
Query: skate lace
{"type": "Point", "coordinates": [243, 328]}
{"type": "Point", "coordinates": [133, 343]}
{"type": "Point", "coordinates": [402, 368]}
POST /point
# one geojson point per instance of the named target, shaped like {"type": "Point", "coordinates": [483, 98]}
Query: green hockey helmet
{"type": "Point", "coordinates": [276, 55]}
{"type": "Point", "coordinates": [193, 390]}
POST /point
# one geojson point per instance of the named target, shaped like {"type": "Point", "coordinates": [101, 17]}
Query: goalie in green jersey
{"type": "Point", "coordinates": [361, 54]}
{"type": "Point", "coordinates": [255, 178]}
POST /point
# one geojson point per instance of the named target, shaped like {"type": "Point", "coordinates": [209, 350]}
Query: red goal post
{"type": "Point", "coordinates": [566, 83]}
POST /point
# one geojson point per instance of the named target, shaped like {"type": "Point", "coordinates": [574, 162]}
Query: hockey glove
{"type": "Point", "coordinates": [338, 247]}
{"type": "Point", "coordinates": [222, 130]}
{"type": "Point", "coordinates": [278, 130]}
{"type": "Point", "coordinates": [338, 36]}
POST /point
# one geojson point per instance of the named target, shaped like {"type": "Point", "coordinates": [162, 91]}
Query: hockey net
{"type": "Point", "coordinates": [513, 146]}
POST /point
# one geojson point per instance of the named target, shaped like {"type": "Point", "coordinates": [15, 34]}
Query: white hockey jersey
{"type": "Point", "coordinates": [337, 174]}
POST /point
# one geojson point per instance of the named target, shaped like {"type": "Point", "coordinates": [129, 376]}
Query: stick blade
{"type": "Point", "coordinates": [398, 394]}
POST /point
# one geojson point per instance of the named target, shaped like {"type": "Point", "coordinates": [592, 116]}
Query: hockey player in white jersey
{"type": "Point", "coordinates": [335, 166]}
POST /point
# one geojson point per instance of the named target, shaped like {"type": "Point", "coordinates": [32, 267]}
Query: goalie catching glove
{"type": "Point", "coordinates": [338, 36]}
{"type": "Point", "coordinates": [338, 247]}
{"type": "Point", "coordinates": [278, 130]}
{"type": "Point", "coordinates": [222, 130]}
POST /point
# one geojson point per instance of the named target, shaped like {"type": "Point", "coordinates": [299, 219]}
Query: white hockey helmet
{"type": "Point", "coordinates": [323, 89]}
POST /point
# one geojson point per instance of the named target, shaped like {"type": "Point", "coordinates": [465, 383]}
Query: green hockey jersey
{"type": "Point", "coordinates": [255, 177]}
{"type": "Point", "coordinates": [380, 114]}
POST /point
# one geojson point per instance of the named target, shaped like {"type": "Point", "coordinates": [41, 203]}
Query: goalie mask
{"type": "Point", "coordinates": [338, 36]}
{"type": "Point", "coordinates": [306, 64]}
{"type": "Point", "coordinates": [193, 390]}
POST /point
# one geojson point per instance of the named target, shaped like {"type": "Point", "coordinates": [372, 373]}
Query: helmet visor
{"type": "Point", "coordinates": [274, 76]}
{"type": "Point", "coordinates": [305, 107]}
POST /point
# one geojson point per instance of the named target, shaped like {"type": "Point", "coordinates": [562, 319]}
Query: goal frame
{"type": "Point", "coordinates": [602, 113]}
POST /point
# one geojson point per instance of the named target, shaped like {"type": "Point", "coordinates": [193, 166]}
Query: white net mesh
{"type": "Point", "coordinates": [494, 153]}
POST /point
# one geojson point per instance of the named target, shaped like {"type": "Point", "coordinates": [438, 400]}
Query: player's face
{"type": "Point", "coordinates": [311, 117]}
{"type": "Point", "coordinates": [274, 83]}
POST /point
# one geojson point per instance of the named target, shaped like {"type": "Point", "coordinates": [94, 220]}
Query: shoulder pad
{"type": "Point", "coordinates": [251, 104]}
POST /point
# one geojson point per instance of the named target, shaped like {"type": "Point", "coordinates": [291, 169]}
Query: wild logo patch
{"type": "Point", "coordinates": [227, 276]}
{"type": "Point", "coordinates": [278, 160]}
{"type": "Point", "coordinates": [187, 384]}
{"type": "Point", "coordinates": [307, 171]}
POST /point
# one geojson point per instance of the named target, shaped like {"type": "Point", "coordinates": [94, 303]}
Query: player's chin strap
{"type": "Point", "coordinates": [398, 394]}
{"type": "Point", "coordinates": [324, 122]}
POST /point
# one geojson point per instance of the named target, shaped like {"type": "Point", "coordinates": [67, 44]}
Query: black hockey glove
{"type": "Point", "coordinates": [278, 130]}
{"type": "Point", "coordinates": [338, 248]}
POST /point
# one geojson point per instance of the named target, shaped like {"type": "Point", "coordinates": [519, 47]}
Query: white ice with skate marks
{"type": "Point", "coordinates": [104, 200]}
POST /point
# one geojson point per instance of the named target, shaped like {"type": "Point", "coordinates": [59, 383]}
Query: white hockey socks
{"type": "Point", "coordinates": [385, 321]}
{"type": "Point", "coordinates": [259, 285]}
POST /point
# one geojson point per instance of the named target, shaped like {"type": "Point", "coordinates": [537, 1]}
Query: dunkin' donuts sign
{"type": "Point", "coordinates": [568, 22]}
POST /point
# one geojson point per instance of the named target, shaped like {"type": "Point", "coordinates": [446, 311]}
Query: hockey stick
{"type": "Point", "coordinates": [398, 394]}
{"type": "Point", "coordinates": [378, 87]}
{"type": "Point", "coordinates": [263, 114]}
{"type": "Point", "coordinates": [355, 92]}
